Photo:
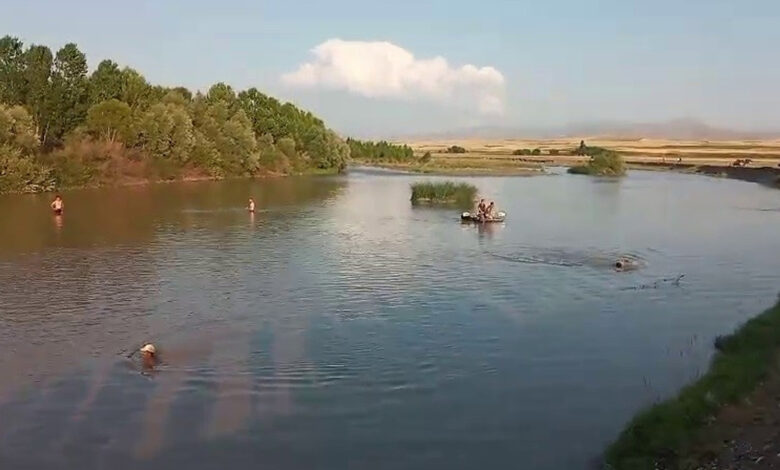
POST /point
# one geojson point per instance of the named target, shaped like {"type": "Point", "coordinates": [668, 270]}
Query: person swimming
{"type": "Point", "coordinates": [148, 356]}
{"type": "Point", "coordinates": [57, 205]}
{"type": "Point", "coordinates": [251, 205]}
{"type": "Point", "coordinates": [625, 264]}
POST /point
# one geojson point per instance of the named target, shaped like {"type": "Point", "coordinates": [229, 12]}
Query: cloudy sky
{"type": "Point", "coordinates": [376, 68]}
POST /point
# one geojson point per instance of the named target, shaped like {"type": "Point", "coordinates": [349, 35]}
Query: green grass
{"type": "Point", "coordinates": [667, 434]}
{"type": "Point", "coordinates": [446, 192]}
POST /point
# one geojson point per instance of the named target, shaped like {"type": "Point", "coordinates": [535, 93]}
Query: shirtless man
{"type": "Point", "coordinates": [489, 210]}
{"type": "Point", "coordinates": [149, 356]}
{"type": "Point", "coordinates": [481, 208]}
{"type": "Point", "coordinates": [57, 205]}
{"type": "Point", "coordinates": [251, 205]}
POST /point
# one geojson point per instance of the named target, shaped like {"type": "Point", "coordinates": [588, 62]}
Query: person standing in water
{"type": "Point", "coordinates": [251, 205]}
{"type": "Point", "coordinates": [57, 205]}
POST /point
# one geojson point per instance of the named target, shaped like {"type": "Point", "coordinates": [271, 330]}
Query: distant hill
{"type": "Point", "coordinates": [676, 129]}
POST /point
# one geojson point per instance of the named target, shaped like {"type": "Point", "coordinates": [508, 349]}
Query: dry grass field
{"type": "Point", "coordinates": [636, 151]}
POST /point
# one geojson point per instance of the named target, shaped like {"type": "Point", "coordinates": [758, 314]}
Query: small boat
{"type": "Point", "coordinates": [469, 217]}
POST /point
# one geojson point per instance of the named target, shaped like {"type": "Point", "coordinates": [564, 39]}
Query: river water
{"type": "Point", "coordinates": [339, 327]}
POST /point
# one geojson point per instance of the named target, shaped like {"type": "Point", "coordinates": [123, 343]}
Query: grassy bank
{"type": "Point", "coordinates": [469, 164]}
{"type": "Point", "coordinates": [446, 192]}
{"type": "Point", "coordinates": [678, 433]}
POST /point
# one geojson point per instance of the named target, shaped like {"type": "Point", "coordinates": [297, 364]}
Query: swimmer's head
{"type": "Point", "coordinates": [149, 350]}
{"type": "Point", "coordinates": [620, 264]}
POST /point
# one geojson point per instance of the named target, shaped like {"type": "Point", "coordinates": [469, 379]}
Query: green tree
{"type": "Point", "coordinates": [17, 129]}
{"type": "Point", "coordinates": [135, 90]}
{"type": "Point", "coordinates": [109, 119]}
{"type": "Point", "coordinates": [105, 83]}
{"type": "Point", "coordinates": [19, 172]}
{"type": "Point", "coordinates": [12, 83]}
{"type": "Point", "coordinates": [37, 74]}
{"type": "Point", "coordinates": [166, 133]}
{"type": "Point", "coordinates": [68, 91]}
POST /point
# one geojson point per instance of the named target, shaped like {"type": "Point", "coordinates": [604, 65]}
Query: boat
{"type": "Point", "coordinates": [469, 217]}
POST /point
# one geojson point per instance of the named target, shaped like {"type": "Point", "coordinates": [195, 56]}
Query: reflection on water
{"type": "Point", "coordinates": [338, 326]}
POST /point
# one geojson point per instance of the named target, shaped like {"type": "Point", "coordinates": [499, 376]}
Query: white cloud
{"type": "Point", "coordinates": [384, 70]}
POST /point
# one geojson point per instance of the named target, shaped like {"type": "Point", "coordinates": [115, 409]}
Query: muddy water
{"type": "Point", "coordinates": [338, 327]}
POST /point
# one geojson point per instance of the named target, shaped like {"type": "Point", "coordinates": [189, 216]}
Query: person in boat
{"type": "Point", "coordinates": [490, 209]}
{"type": "Point", "coordinates": [57, 205]}
{"type": "Point", "coordinates": [481, 208]}
{"type": "Point", "coordinates": [251, 205]}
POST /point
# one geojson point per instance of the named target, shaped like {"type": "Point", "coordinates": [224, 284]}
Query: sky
{"type": "Point", "coordinates": [375, 68]}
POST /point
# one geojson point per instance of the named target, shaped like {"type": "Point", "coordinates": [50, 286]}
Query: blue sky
{"type": "Point", "coordinates": [562, 61]}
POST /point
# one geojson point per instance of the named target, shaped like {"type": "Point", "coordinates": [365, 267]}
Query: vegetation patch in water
{"type": "Point", "coordinates": [671, 434]}
{"type": "Point", "coordinates": [603, 162]}
{"type": "Point", "coordinates": [445, 192]}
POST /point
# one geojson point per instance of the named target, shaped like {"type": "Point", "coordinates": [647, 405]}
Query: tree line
{"type": "Point", "coordinates": [63, 126]}
{"type": "Point", "coordinates": [367, 151]}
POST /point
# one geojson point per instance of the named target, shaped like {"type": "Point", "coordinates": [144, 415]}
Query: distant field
{"type": "Point", "coordinates": [761, 152]}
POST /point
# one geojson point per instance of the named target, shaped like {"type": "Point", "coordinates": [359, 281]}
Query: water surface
{"type": "Point", "coordinates": [339, 327]}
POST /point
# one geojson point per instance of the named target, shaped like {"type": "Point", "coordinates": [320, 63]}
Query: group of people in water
{"type": "Point", "coordinates": [486, 211]}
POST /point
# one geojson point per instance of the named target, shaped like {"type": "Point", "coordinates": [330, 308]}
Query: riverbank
{"type": "Point", "coordinates": [729, 418]}
{"type": "Point", "coordinates": [467, 165]}
{"type": "Point", "coordinates": [505, 156]}
{"type": "Point", "coordinates": [189, 178]}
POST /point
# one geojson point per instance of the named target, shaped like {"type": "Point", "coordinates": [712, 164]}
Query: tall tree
{"type": "Point", "coordinates": [105, 83]}
{"type": "Point", "coordinates": [37, 74]}
{"type": "Point", "coordinates": [109, 119]}
{"type": "Point", "coordinates": [135, 90]}
{"type": "Point", "coordinates": [68, 90]}
{"type": "Point", "coordinates": [12, 82]}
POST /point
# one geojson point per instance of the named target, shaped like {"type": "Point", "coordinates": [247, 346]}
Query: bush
{"type": "Point", "coordinates": [554, 152]}
{"type": "Point", "coordinates": [22, 174]}
{"type": "Point", "coordinates": [446, 192]}
{"type": "Point", "coordinates": [426, 158]}
{"type": "Point", "coordinates": [536, 152]}
{"type": "Point", "coordinates": [602, 162]}
{"type": "Point", "coordinates": [456, 149]}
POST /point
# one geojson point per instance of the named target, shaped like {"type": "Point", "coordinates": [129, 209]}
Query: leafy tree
{"type": "Point", "coordinates": [109, 119]}
{"type": "Point", "coordinates": [135, 90]}
{"type": "Point", "coordinates": [12, 82]}
{"type": "Point", "coordinates": [77, 129]}
{"type": "Point", "coordinates": [166, 132]}
{"type": "Point", "coordinates": [105, 83]}
{"type": "Point", "coordinates": [68, 91]}
{"type": "Point", "coordinates": [17, 129]}
{"type": "Point", "coordinates": [37, 73]}
{"type": "Point", "coordinates": [379, 151]}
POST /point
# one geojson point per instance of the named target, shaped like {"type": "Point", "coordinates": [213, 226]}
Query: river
{"type": "Point", "coordinates": [339, 327]}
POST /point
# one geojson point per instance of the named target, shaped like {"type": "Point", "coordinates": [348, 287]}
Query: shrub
{"type": "Point", "coordinates": [446, 192]}
{"type": "Point", "coordinates": [554, 152]}
{"type": "Point", "coordinates": [602, 162]}
{"type": "Point", "coordinates": [536, 152]}
{"type": "Point", "coordinates": [22, 174]}
{"type": "Point", "coordinates": [456, 149]}
{"type": "Point", "coordinates": [426, 158]}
